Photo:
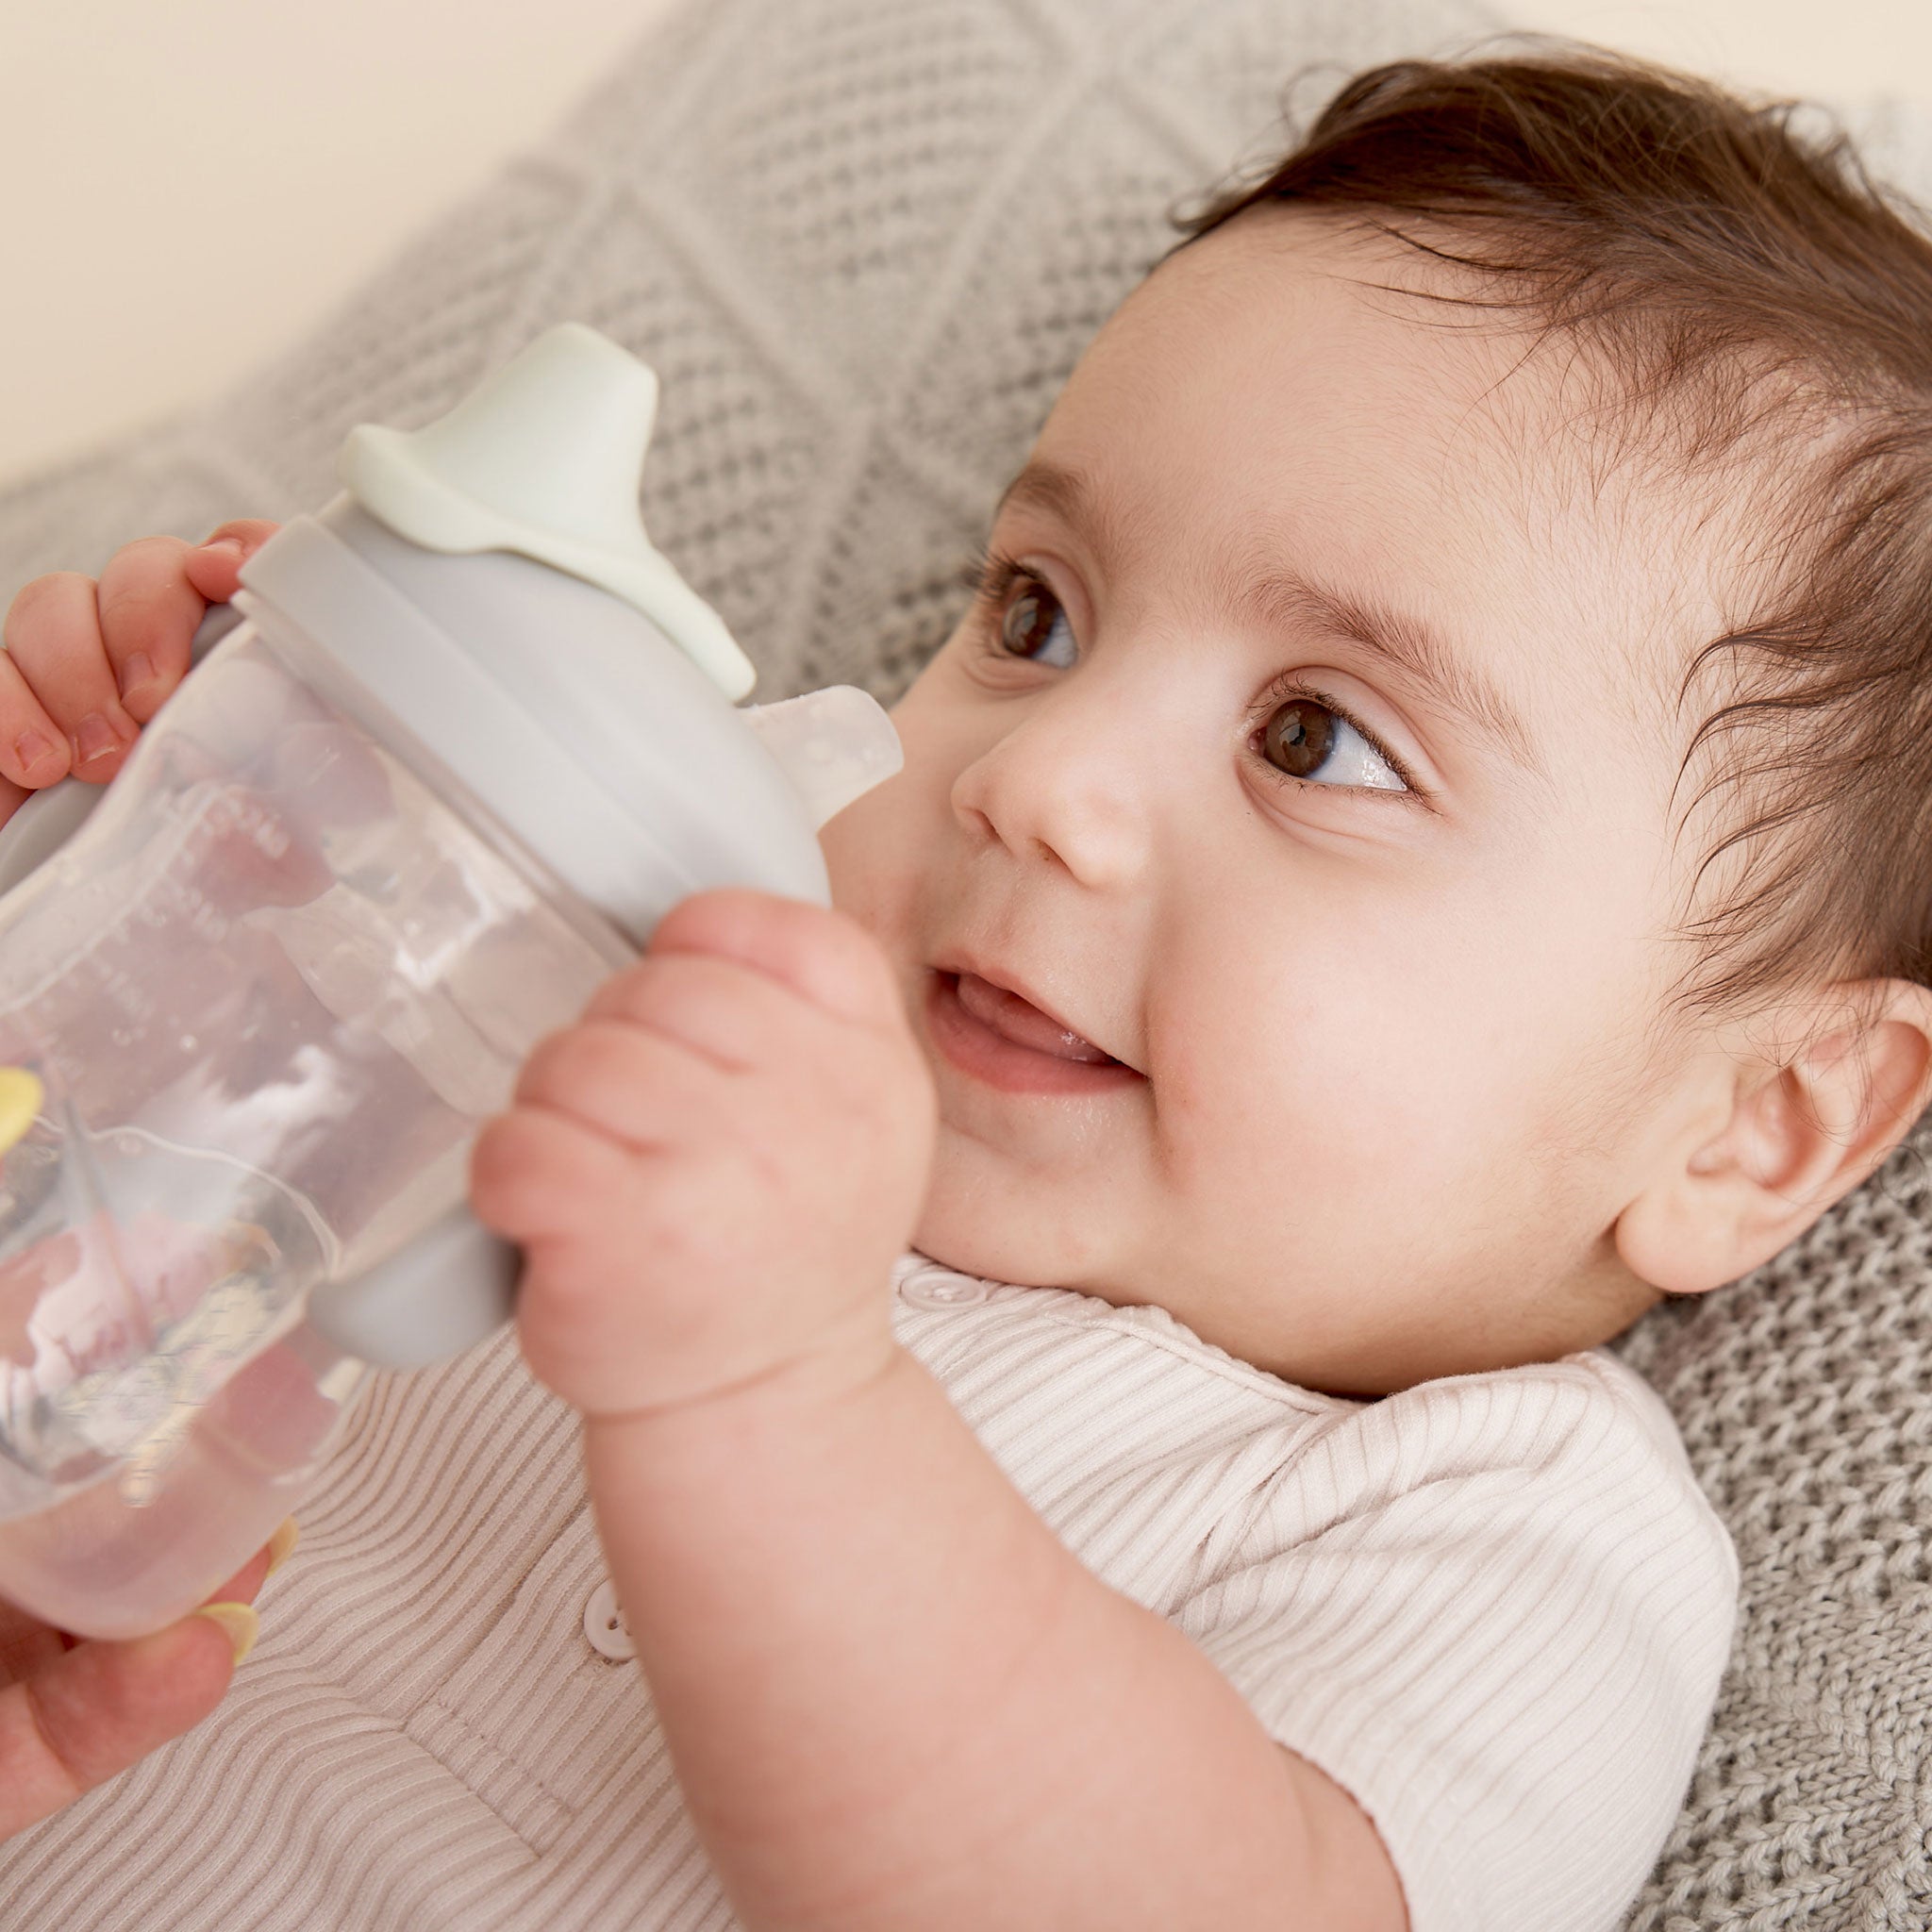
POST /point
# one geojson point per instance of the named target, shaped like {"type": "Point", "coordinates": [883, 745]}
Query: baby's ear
{"type": "Point", "coordinates": [1773, 1135]}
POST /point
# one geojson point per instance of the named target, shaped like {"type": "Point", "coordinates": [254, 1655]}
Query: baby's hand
{"type": "Point", "coordinates": [713, 1171]}
{"type": "Point", "coordinates": [87, 665]}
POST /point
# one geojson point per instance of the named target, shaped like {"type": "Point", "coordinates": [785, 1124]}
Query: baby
{"type": "Point", "coordinates": [1391, 877]}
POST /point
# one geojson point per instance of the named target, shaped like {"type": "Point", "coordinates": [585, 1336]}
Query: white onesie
{"type": "Point", "coordinates": [1494, 1607]}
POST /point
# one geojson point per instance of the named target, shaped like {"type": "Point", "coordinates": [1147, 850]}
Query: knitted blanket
{"type": "Point", "coordinates": [863, 242]}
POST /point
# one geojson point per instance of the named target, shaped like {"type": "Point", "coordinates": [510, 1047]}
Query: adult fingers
{"type": "Point", "coordinates": [74, 1713]}
{"type": "Point", "coordinates": [88, 1714]}
{"type": "Point", "coordinates": [240, 1588]}
{"type": "Point", "coordinates": [53, 636]}
{"type": "Point", "coordinates": [27, 1644]}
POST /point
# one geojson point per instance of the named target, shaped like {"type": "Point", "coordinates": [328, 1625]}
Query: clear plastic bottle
{"type": "Point", "coordinates": [269, 992]}
{"type": "Point", "coordinates": [475, 738]}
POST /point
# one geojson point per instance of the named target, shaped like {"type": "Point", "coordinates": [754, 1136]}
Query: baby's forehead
{"type": "Point", "coordinates": [1302, 392]}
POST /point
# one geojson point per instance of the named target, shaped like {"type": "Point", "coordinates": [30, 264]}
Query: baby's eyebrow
{"type": "Point", "coordinates": [1067, 494]}
{"type": "Point", "coordinates": [1285, 599]}
{"type": "Point", "coordinates": [1288, 600]}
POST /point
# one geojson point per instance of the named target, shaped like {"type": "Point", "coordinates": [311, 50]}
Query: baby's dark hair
{"type": "Point", "coordinates": [1756, 296]}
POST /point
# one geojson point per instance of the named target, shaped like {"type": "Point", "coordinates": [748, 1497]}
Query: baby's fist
{"type": "Point", "coordinates": [713, 1171]}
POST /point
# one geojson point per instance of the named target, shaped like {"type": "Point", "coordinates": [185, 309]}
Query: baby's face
{"type": "Point", "coordinates": [1280, 875]}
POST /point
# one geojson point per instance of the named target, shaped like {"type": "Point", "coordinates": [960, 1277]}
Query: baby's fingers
{"type": "Point", "coordinates": [53, 636]}
{"type": "Point", "coordinates": [13, 797]}
{"type": "Point", "coordinates": [149, 609]}
{"type": "Point", "coordinates": [214, 567]}
{"type": "Point", "coordinates": [152, 596]}
{"type": "Point", "coordinates": [33, 749]}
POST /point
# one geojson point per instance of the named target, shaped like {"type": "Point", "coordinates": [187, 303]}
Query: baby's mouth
{"type": "Point", "coordinates": [1002, 1039]}
{"type": "Point", "coordinates": [1020, 1021]}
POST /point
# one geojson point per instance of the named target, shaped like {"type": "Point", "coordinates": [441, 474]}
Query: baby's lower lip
{"type": "Point", "coordinates": [976, 1048]}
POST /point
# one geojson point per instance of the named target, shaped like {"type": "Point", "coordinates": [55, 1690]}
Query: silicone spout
{"type": "Point", "coordinates": [832, 744]}
{"type": "Point", "coordinates": [543, 459]}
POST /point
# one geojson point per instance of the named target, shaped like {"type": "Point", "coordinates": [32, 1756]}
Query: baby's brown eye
{"type": "Point", "coordinates": [1035, 626]}
{"type": "Point", "coordinates": [1299, 737]}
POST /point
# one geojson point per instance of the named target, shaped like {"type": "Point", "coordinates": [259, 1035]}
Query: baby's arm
{"type": "Point", "coordinates": [87, 664]}
{"type": "Point", "coordinates": [892, 1697]}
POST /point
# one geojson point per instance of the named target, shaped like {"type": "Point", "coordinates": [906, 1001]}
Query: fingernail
{"type": "Point", "coordinates": [138, 671]}
{"type": "Point", "coordinates": [231, 543]}
{"type": "Point", "coordinates": [239, 1621]}
{"type": "Point", "coordinates": [30, 748]}
{"type": "Point", "coordinates": [22, 1096]}
{"type": "Point", "coordinates": [94, 737]}
{"type": "Point", "coordinates": [282, 1544]}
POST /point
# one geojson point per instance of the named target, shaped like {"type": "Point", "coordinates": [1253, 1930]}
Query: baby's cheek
{"type": "Point", "coordinates": [876, 872]}
{"type": "Point", "coordinates": [866, 862]}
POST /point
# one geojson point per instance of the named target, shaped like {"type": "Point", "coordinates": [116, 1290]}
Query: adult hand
{"type": "Point", "coordinates": [74, 1712]}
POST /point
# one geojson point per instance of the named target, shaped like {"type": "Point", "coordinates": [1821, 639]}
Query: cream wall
{"type": "Point", "coordinates": [186, 184]}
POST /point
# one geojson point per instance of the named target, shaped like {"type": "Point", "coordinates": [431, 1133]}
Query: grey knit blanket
{"type": "Point", "coordinates": [863, 242]}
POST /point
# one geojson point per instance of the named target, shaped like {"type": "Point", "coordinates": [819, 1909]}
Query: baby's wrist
{"type": "Point", "coordinates": [831, 1378]}
{"type": "Point", "coordinates": [719, 1486]}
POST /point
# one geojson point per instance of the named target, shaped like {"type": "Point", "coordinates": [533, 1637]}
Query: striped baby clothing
{"type": "Point", "coordinates": [1495, 1607]}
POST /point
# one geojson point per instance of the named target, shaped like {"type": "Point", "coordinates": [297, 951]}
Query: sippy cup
{"type": "Point", "coordinates": [467, 738]}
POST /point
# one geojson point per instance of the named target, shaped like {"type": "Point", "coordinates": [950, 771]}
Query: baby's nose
{"type": "Point", "coordinates": [1064, 787]}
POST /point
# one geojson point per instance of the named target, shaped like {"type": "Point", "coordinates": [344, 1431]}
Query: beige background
{"type": "Point", "coordinates": [184, 186]}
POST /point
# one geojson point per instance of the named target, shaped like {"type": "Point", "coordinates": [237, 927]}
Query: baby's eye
{"type": "Point", "coordinates": [1312, 741]}
{"type": "Point", "coordinates": [1034, 626]}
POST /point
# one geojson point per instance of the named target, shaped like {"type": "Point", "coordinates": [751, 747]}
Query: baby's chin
{"type": "Point", "coordinates": [967, 1227]}
{"type": "Point", "coordinates": [952, 1241]}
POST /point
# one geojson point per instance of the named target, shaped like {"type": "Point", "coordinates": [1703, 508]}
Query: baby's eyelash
{"type": "Point", "coordinates": [1290, 684]}
{"type": "Point", "coordinates": [991, 575]}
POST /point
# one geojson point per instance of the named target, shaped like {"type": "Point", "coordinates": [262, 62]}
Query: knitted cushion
{"type": "Point", "coordinates": [863, 242]}
{"type": "Point", "coordinates": [860, 240]}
